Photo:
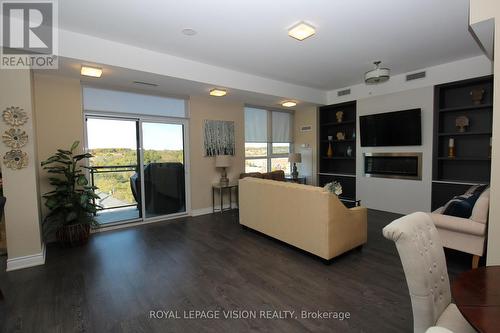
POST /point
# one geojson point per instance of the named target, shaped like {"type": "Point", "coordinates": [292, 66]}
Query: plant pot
{"type": "Point", "coordinates": [73, 235]}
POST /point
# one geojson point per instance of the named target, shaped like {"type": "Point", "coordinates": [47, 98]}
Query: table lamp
{"type": "Point", "coordinates": [223, 161]}
{"type": "Point", "coordinates": [295, 158]}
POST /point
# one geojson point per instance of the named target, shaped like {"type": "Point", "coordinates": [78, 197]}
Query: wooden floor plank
{"type": "Point", "coordinates": [208, 263]}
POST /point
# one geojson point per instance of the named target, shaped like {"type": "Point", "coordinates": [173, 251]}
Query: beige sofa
{"type": "Point", "coordinates": [466, 235]}
{"type": "Point", "coordinates": [304, 216]}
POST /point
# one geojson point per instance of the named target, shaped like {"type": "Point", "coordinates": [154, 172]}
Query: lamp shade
{"type": "Point", "coordinates": [222, 161]}
{"type": "Point", "coordinates": [295, 158]}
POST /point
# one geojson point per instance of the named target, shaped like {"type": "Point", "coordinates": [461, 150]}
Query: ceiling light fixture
{"type": "Point", "coordinates": [189, 32]}
{"type": "Point", "coordinates": [289, 104]}
{"type": "Point", "coordinates": [377, 75]}
{"type": "Point", "coordinates": [301, 31]}
{"type": "Point", "coordinates": [218, 92]}
{"type": "Point", "coordinates": [91, 71]}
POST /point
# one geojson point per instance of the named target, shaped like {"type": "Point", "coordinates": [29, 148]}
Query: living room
{"type": "Point", "coordinates": [240, 174]}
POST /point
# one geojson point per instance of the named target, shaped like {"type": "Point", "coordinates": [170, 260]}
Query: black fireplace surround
{"type": "Point", "coordinates": [393, 165]}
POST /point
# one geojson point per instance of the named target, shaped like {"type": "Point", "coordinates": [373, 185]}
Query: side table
{"type": "Point", "coordinates": [298, 180]}
{"type": "Point", "coordinates": [221, 188]}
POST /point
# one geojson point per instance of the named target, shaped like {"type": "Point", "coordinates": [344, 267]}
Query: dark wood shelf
{"type": "Point", "coordinates": [337, 174]}
{"type": "Point", "coordinates": [467, 108]}
{"type": "Point", "coordinates": [444, 158]}
{"type": "Point", "coordinates": [463, 133]}
{"type": "Point", "coordinates": [338, 158]}
{"type": "Point", "coordinates": [334, 123]}
{"type": "Point", "coordinates": [340, 141]}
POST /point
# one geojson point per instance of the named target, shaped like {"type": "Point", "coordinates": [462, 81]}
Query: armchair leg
{"type": "Point", "coordinates": [475, 261]}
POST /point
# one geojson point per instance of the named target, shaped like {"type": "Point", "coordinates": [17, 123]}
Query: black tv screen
{"type": "Point", "coordinates": [400, 128]}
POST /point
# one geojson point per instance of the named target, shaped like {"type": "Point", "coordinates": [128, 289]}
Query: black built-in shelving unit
{"type": "Point", "coordinates": [472, 161]}
{"type": "Point", "coordinates": [340, 167]}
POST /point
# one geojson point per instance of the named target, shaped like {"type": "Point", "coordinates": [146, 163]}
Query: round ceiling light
{"type": "Point", "coordinates": [189, 32]}
{"type": "Point", "coordinates": [377, 75]}
{"type": "Point", "coordinates": [289, 104]}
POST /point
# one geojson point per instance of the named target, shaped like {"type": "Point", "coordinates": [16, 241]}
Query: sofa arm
{"type": "Point", "coordinates": [347, 229]}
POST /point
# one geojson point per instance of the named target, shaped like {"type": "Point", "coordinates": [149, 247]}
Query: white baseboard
{"type": "Point", "coordinates": [26, 261]}
{"type": "Point", "coordinates": [209, 210]}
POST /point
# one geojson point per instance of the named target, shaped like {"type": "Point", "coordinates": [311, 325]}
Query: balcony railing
{"type": "Point", "coordinates": [120, 193]}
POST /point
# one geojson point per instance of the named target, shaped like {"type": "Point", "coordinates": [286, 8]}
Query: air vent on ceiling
{"type": "Point", "coordinates": [146, 84]}
{"type": "Point", "coordinates": [415, 76]}
{"type": "Point", "coordinates": [344, 92]}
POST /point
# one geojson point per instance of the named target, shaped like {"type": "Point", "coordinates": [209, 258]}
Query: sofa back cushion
{"type": "Point", "coordinates": [278, 175]}
{"type": "Point", "coordinates": [480, 210]}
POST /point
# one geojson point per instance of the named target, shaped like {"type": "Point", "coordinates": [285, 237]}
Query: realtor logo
{"type": "Point", "coordinates": [29, 36]}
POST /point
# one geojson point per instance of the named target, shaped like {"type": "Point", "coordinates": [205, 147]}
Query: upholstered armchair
{"type": "Point", "coordinates": [424, 265]}
{"type": "Point", "coordinates": [466, 235]}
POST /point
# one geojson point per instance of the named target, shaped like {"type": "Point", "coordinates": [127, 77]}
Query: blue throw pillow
{"type": "Point", "coordinates": [461, 206]}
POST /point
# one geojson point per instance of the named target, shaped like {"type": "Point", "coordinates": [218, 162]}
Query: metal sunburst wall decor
{"type": "Point", "coordinates": [14, 116]}
{"type": "Point", "coordinates": [15, 138]}
{"type": "Point", "coordinates": [15, 159]}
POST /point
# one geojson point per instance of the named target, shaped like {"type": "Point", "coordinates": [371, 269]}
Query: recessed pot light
{"type": "Point", "coordinates": [189, 32]}
{"type": "Point", "coordinates": [301, 31]}
{"type": "Point", "coordinates": [91, 71]}
{"type": "Point", "coordinates": [218, 92]}
{"type": "Point", "coordinates": [289, 104]}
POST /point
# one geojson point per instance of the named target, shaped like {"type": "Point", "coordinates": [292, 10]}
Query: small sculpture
{"type": "Point", "coordinates": [461, 123]}
{"type": "Point", "coordinates": [340, 136]}
{"type": "Point", "coordinates": [340, 116]}
{"type": "Point", "coordinates": [477, 96]}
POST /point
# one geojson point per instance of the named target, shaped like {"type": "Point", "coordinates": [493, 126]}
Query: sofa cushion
{"type": "Point", "coordinates": [461, 205]}
{"type": "Point", "coordinates": [480, 210]}
{"type": "Point", "coordinates": [273, 175]}
{"type": "Point", "coordinates": [458, 224]}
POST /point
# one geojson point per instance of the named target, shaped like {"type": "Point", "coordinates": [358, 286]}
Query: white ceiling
{"type": "Point", "coordinates": [251, 35]}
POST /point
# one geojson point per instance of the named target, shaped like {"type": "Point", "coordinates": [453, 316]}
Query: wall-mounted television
{"type": "Point", "coordinates": [400, 128]}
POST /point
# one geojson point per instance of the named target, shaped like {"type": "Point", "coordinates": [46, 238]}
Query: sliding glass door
{"type": "Point", "coordinates": [129, 150]}
{"type": "Point", "coordinates": [164, 181]}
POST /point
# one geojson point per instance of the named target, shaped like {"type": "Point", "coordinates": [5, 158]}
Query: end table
{"type": "Point", "coordinates": [220, 187]}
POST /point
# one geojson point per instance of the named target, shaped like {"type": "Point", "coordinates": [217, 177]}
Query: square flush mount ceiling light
{"type": "Point", "coordinates": [218, 92]}
{"type": "Point", "coordinates": [301, 31]}
{"type": "Point", "coordinates": [91, 71]}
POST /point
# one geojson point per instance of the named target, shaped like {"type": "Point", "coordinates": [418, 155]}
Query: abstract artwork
{"type": "Point", "coordinates": [219, 137]}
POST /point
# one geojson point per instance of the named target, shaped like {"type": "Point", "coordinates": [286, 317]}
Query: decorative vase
{"type": "Point", "coordinates": [329, 153]}
{"type": "Point", "coordinates": [451, 148]}
{"type": "Point", "coordinates": [477, 96]}
{"type": "Point", "coordinates": [73, 235]}
{"type": "Point", "coordinates": [340, 116]}
{"type": "Point", "coordinates": [349, 151]}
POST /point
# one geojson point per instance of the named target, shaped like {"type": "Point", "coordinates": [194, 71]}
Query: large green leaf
{"type": "Point", "coordinates": [74, 145]}
{"type": "Point", "coordinates": [82, 180]}
{"type": "Point", "coordinates": [82, 156]}
{"type": "Point", "coordinates": [52, 202]}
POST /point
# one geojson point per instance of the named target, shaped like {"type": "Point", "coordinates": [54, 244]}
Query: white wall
{"type": "Point", "coordinates": [22, 209]}
{"type": "Point", "coordinates": [398, 195]}
{"type": "Point", "coordinates": [449, 72]}
{"type": "Point", "coordinates": [481, 10]}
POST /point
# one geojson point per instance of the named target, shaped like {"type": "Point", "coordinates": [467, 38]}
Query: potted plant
{"type": "Point", "coordinates": [72, 202]}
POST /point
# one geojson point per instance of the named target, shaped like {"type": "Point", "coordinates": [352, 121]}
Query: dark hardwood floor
{"type": "Point", "coordinates": [208, 263]}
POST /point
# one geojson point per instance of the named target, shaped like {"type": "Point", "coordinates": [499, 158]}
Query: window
{"type": "Point", "coordinates": [268, 140]}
